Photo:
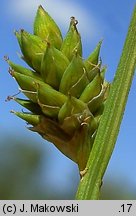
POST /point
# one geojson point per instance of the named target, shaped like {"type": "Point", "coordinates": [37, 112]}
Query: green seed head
{"type": "Point", "coordinates": [66, 93]}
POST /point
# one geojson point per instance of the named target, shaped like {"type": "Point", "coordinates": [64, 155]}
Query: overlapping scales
{"type": "Point", "coordinates": [65, 93]}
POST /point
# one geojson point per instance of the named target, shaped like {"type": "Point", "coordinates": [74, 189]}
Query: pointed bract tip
{"type": "Point", "coordinates": [11, 72]}
{"type": "Point", "coordinates": [40, 7]}
{"type": "Point", "coordinates": [12, 111]}
{"type": "Point", "coordinates": [41, 10]}
{"type": "Point", "coordinates": [17, 33]}
{"type": "Point", "coordinates": [22, 30]}
{"type": "Point", "coordinates": [73, 21]}
{"type": "Point", "coordinates": [101, 41]}
{"type": "Point", "coordinates": [73, 24]}
{"type": "Point", "coordinates": [9, 98]}
{"type": "Point", "coordinates": [6, 58]}
{"type": "Point", "coordinates": [28, 117]}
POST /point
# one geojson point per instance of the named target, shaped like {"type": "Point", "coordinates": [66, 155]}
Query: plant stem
{"type": "Point", "coordinates": [89, 186]}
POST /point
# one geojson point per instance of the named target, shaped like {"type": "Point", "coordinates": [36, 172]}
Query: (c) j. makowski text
{"type": "Point", "coordinates": [50, 208]}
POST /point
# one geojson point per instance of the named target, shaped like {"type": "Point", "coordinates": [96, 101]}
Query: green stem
{"type": "Point", "coordinates": [89, 186]}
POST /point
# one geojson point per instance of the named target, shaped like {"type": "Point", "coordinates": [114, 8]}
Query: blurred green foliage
{"type": "Point", "coordinates": [20, 173]}
{"type": "Point", "coordinates": [19, 163]}
{"type": "Point", "coordinates": [21, 167]}
{"type": "Point", "coordinates": [117, 190]}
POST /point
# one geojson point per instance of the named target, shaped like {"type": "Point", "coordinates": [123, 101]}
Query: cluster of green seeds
{"type": "Point", "coordinates": [66, 94]}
